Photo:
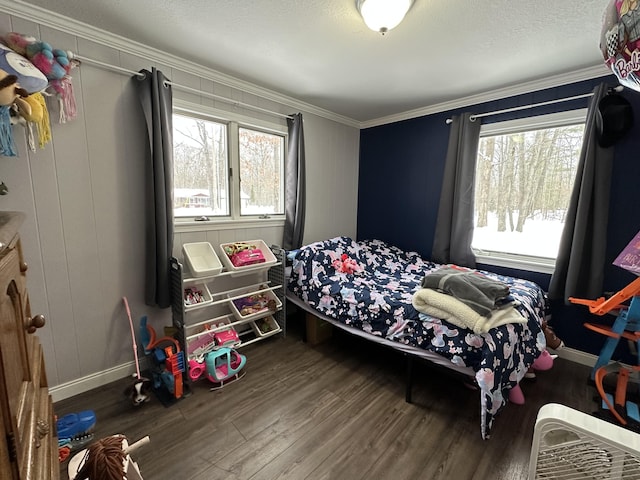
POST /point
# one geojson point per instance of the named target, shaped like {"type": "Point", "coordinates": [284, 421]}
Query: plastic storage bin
{"type": "Point", "coordinates": [269, 257]}
{"type": "Point", "coordinates": [196, 296]}
{"type": "Point", "coordinates": [264, 327]}
{"type": "Point", "coordinates": [201, 259]}
{"type": "Point", "coordinates": [256, 310]}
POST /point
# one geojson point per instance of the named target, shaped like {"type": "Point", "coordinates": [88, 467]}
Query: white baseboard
{"type": "Point", "coordinates": [95, 380]}
{"type": "Point", "coordinates": [576, 356]}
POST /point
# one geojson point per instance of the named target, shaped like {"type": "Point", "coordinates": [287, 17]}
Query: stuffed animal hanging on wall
{"type": "Point", "coordinates": [18, 79]}
{"type": "Point", "coordinates": [55, 64]}
{"type": "Point", "coordinates": [21, 80]}
{"type": "Point", "coordinates": [10, 94]}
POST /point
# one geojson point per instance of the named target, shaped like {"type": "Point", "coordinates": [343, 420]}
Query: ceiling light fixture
{"type": "Point", "coordinates": [383, 15]}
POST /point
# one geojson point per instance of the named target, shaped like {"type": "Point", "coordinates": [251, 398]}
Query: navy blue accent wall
{"type": "Point", "coordinates": [401, 169]}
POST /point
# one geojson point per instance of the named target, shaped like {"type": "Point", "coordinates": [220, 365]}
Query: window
{"type": "Point", "coordinates": [226, 169]}
{"type": "Point", "coordinates": [200, 166]}
{"type": "Point", "coordinates": [261, 177]}
{"type": "Point", "coordinates": [525, 172]}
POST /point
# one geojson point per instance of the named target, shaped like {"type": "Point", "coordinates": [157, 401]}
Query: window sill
{"type": "Point", "coordinates": [190, 225]}
{"type": "Point", "coordinates": [519, 262]}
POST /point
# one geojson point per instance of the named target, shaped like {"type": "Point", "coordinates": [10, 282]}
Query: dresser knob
{"type": "Point", "coordinates": [23, 267]}
{"type": "Point", "coordinates": [33, 323]}
{"type": "Point", "coordinates": [42, 429]}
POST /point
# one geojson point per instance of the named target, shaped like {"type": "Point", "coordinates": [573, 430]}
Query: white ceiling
{"type": "Point", "coordinates": [320, 51]}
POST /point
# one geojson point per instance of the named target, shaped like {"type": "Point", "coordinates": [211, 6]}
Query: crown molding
{"type": "Point", "coordinates": [53, 20]}
{"type": "Point", "coordinates": [519, 89]}
{"type": "Point", "coordinates": [88, 32]}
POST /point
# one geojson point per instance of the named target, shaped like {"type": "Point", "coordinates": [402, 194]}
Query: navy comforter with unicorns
{"type": "Point", "coordinates": [369, 285]}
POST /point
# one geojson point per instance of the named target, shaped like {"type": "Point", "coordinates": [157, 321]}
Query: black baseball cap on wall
{"type": "Point", "coordinates": [614, 118]}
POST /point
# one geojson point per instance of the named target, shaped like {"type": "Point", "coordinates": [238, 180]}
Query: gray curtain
{"type": "Point", "coordinates": [580, 264]}
{"type": "Point", "coordinates": [156, 100]}
{"type": "Point", "coordinates": [295, 191]}
{"type": "Point", "coordinates": [454, 228]}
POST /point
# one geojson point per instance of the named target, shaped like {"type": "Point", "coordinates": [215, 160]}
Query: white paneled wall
{"type": "Point", "coordinates": [83, 196]}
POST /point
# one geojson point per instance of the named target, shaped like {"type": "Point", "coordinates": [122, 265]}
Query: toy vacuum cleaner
{"type": "Point", "coordinates": [138, 393]}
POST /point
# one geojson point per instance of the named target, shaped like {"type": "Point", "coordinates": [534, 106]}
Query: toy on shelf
{"type": "Point", "coordinates": [255, 304]}
{"type": "Point", "coordinates": [204, 342]}
{"type": "Point", "coordinates": [167, 359]}
{"type": "Point", "coordinates": [227, 337]}
{"type": "Point", "coordinates": [195, 296]}
{"type": "Point", "coordinates": [243, 254]}
{"type": "Point", "coordinates": [224, 366]}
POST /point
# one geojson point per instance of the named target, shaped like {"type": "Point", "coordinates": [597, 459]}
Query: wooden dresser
{"type": "Point", "coordinates": [28, 444]}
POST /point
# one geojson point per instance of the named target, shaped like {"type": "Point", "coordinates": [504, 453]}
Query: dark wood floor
{"type": "Point", "coordinates": [333, 411]}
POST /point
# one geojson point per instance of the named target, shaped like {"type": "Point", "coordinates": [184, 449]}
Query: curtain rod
{"type": "Point", "coordinates": [184, 88]}
{"type": "Point", "coordinates": [619, 88]}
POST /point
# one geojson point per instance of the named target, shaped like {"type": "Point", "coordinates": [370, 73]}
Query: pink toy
{"type": "Point", "coordinates": [542, 363]}
{"type": "Point", "coordinates": [139, 392]}
{"type": "Point", "coordinates": [228, 337]}
{"type": "Point", "coordinates": [346, 265]}
{"type": "Point", "coordinates": [196, 369]}
{"type": "Point", "coordinates": [224, 366]}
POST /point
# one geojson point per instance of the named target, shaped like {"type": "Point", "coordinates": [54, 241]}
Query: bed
{"type": "Point", "coordinates": [372, 297]}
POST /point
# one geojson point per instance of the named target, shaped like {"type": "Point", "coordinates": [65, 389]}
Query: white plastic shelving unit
{"type": "Point", "coordinates": [196, 323]}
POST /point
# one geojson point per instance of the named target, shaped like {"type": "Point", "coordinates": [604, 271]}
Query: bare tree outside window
{"type": "Point", "coordinates": [213, 178]}
{"type": "Point", "coordinates": [523, 184]}
{"type": "Point", "coordinates": [261, 172]}
{"type": "Point", "coordinates": [200, 167]}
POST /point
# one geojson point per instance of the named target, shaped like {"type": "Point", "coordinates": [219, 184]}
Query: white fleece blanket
{"type": "Point", "coordinates": [446, 307]}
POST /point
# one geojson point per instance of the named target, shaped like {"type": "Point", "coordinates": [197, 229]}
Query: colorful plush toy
{"type": "Point", "coordinates": [29, 76]}
{"type": "Point", "coordinates": [346, 265]}
{"type": "Point", "coordinates": [28, 106]}
{"type": "Point", "coordinates": [10, 95]}
{"type": "Point", "coordinates": [39, 117]}
{"type": "Point", "coordinates": [54, 63]}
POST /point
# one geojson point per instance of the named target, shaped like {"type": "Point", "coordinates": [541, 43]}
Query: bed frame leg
{"type": "Point", "coordinates": [409, 379]}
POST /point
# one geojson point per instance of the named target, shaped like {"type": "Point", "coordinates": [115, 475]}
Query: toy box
{"type": "Point", "coordinates": [201, 259]}
{"type": "Point", "coordinates": [229, 249]}
{"type": "Point", "coordinates": [196, 295]}
{"type": "Point", "coordinates": [254, 305]}
{"type": "Point", "coordinates": [264, 327]}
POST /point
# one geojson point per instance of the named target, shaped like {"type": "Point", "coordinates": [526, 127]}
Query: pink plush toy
{"type": "Point", "coordinates": [346, 265]}
{"type": "Point", "coordinates": [542, 363]}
